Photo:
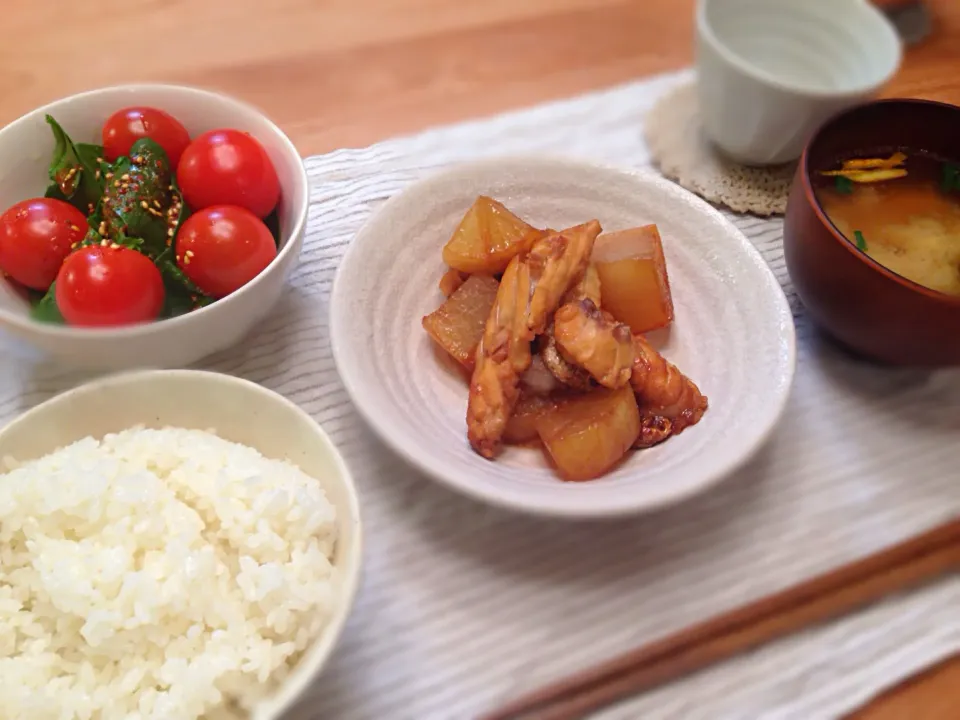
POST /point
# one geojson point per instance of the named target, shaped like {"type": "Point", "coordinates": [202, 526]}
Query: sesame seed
{"type": "Point", "coordinates": [170, 232]}
{"type": "Point", "coordinates": [125, 176]}
{"type": "Point", "coordinates": [189, 253]}
{"type": "Point", "coordinates": [169, 187]}
{"type": "Point", "coordinates": [103, 227]}
{"type": "Point", "coordinates": [116, 183]}
{"type": "Point", "coordinates": [74, 227]}
{"type": "Point", "coordinates": [186, 260]}
{"type": "Point", "coordinates": [178, 258]}
{"type": "Point", "coordinates": [74, 246]}
{"type": "Point", "coordinates": [144, 204]}
{"type": "Point", "coordinates": [109, 176]}
{"type": "Point", "coordinates": [97, 174]}
{"type": "Point", "coordinates": [157, 203]}
{"type": "Point", "coordinates": [104, 242]}
{"type": "Point", "coordinates": [114, 246]}
{"type": "Point", "coordinates": [99, 159]}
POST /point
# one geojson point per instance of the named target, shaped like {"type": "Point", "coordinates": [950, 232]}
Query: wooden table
{"type": "Point", "coordinates": [337, 73]}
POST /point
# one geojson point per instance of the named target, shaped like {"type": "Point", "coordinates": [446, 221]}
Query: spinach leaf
{"type": "Point", "coordinates": [182, 295]}
{"type": "Point", "coordinates": [272, 221]}
{"type": "Point", "coordinates": [950, 178]}
{"type": "Point", "coordinates": [129, 242]}
{"type": "Point", "coordinates": [139, 196]}
{"type": "Point", "coordinates": [843, 185]}
{"type": "Point", "coordinates": [45, 307]}
{"type": "Point", "coordinates": [176, 301]}
{"type": "Point", "coordinates": [92, 156]}
{"type": "Point", "coordinates": [179, 212]}
{"type": "Point", "coordinates": [95, 218]}
{"type": "Point", "coordinates": [54, 191]}
{"type": "Point", "coordinates": [74, 174]}
{"type": "Point", "coordinates": [133, 243]}
{"type": "Point", "coordinates": [91, 238]}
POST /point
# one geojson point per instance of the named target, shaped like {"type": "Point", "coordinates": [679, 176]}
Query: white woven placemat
{"type": "Point", "coordinates": [464, 606]}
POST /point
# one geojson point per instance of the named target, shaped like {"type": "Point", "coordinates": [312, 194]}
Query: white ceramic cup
{"type": "Point", "coordinates": [771, 71]}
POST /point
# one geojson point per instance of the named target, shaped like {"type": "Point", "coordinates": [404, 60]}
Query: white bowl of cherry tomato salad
{"type": "Point", "coordinates": [145, 225]}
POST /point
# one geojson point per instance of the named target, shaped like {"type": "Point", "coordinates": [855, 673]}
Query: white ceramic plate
{"type": "Point", "coordinates": [733, 334]}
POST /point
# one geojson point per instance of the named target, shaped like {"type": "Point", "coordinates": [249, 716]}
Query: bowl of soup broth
{"type": "Point", "coordinates": [872, 231]}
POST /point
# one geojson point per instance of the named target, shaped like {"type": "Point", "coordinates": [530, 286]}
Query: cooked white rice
{"type": "Point", "coordinates": [159, 574]}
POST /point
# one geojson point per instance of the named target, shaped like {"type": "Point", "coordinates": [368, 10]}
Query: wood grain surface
{"type": "Point", "coordinates": [337, 73]}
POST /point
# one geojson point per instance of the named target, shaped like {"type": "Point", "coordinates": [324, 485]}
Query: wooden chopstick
{"type": "Point", "coordinates": [907, 565]}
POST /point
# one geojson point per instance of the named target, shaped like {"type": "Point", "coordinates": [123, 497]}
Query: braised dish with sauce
{"type": "Point", "coordinates": [549, 326]}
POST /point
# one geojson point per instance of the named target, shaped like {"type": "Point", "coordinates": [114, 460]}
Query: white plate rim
{"type": "Point", "coordinates": [338, 323]}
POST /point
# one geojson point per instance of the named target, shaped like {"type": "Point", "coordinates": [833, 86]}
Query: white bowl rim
{"type": "Point", "coordinates": [131, 332]}
{"type": "Point", "coordinates": [891, 62]}
{"type": "Point", "coordinates": [352, 570]}
{"type": "Point", "coordinates": [337, 319]}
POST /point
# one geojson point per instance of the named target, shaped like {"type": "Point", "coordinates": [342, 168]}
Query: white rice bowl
{"type": "Point", "coordinates": [160, 574]}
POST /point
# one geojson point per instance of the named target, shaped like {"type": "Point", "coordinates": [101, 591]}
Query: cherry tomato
{"type": "Point", "coordinates": [224, 247]}
{"type": "Point", "coordinates": [228, 167]}
{"type": "Point", "coordinates": [106, 286]}
{"type": "Point", "coordinates": [126, 126]}
{"type": "Point", "coordinates": [35, 236]}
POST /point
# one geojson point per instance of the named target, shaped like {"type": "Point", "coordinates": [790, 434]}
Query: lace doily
{"type": "Point", "coordinates": [681, 150]}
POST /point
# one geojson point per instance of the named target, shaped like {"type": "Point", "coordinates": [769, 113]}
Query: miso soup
{"type": "Point", "coordinates": [903, 210]}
